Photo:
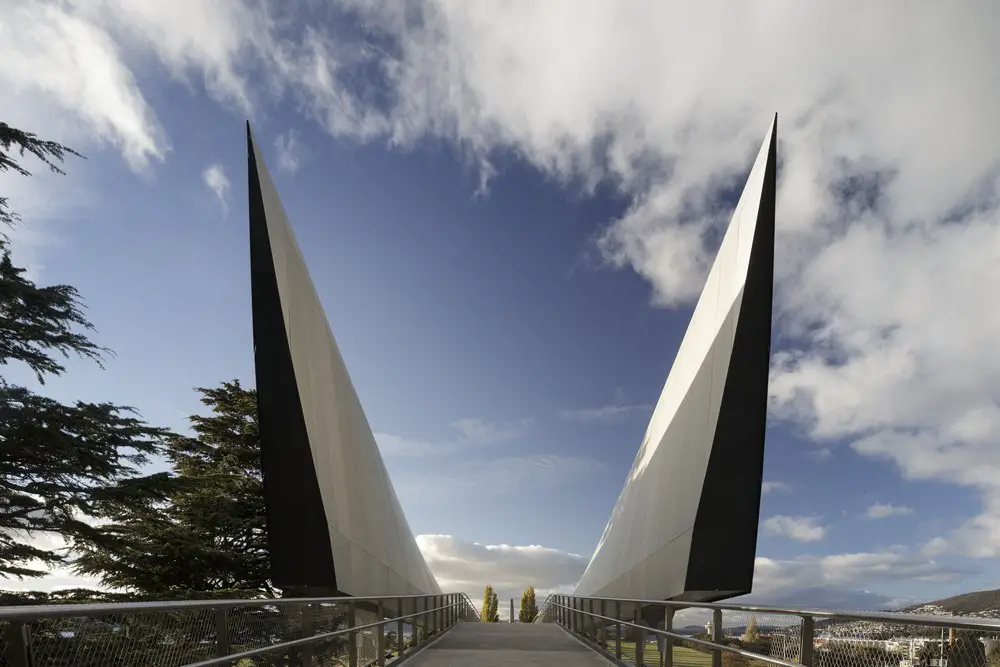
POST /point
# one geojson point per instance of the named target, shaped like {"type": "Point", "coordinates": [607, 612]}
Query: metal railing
{"type": "Point", "coordinates": [654, 633]}
{"type": "Point", "coordinates": [294, 632]}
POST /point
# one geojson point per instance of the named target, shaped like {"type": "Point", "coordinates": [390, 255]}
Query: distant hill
{"type": "Point", "coordinates": [981, 604]}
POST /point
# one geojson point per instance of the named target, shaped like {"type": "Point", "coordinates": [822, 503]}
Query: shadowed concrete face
{"type": "Point", "coordinates": [333, 519]}
{"type": "Point", "coordinates": [685, 524]}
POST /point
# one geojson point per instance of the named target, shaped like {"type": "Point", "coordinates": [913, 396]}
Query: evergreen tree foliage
{"type": "Point", "coordinates": [494, 608]}
{"type": "Point", "coordinates": [59, 463]}
{"type": "Point", "coordinates": [529, 608]}
{"type": "Point", "coordinates": [207, 535]}
{"type": "Point", "coordinates": [14, 143]}
{"type": "Point", "coordinates": [751, 635]}
{"type": "Point", "coordinates": [490, 612]}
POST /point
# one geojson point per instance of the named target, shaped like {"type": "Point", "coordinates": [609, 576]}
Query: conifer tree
{"type": "Point", "coordinates": [59, 463]}
{"type": "Point", "coordinates": [208, 534]}
{"type": "Point", "coordinates": [529, 608]}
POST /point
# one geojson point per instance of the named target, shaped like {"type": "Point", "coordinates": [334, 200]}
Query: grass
{"type": "Point", "coordinates": [683, 657]}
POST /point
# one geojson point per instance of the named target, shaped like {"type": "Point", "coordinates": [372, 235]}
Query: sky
{"type": "Point", "coordinates": [508, 210]}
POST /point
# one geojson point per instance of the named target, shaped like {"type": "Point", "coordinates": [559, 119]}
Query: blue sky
{"type": "Point", "coordinates": [507, 234]}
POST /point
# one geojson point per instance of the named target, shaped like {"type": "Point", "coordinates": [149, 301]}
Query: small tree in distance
{"type": "Point", "coordinates": [752, 635]}
{"type": "Point", "coordinates": [490, 612]}
{"type": "Point", "coordinates": [529, 608]}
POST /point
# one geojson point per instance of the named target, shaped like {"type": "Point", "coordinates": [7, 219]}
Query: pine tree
{"type": "Point", "coordinates": [751, 635]}
{"type": "Point", "coordinates": [529, 609]}
{"type": "Point", "coordinates": [208, 535]}
{"type": "Point", "coordinates": [59, 463]}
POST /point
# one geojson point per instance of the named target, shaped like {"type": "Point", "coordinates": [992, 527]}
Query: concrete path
{"type": "Point", "coordinates": [507, 644]}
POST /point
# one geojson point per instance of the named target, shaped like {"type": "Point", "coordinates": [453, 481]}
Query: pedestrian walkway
{"type": "Point", "coordinates": [506, 644]}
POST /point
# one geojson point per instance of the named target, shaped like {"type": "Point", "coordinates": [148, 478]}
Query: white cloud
{"type": "Point", "coordinates": [770, 487]}
{"type": "Point", "coordinates": [469, 432]}
{"type": "Point", "coordinates": [799, 528]}
{"type": "Point", "coordinates": [888, 198]}
{"type": "Point", "coordinates": [216, 180]}
{"type": "Point", "coordinates": [886, 510]}
{"type": "Point", "coordinates": [889, 192]}
{"type": "Point", "coordinates": [290, 152]}
{"type": "Point", "coordinates": [468, 567]}
{"type": "Point", "coordinates": [837, 581]}
{"type": "Point", "coordinates": [49, 51]}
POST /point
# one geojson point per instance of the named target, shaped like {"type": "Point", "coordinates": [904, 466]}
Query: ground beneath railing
{"type": "Point", "coordinates": [495, 644]}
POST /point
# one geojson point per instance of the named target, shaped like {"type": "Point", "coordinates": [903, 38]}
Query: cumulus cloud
{"type": "Point", "coordinates": [886, 510]}
{"type": "Point", "coordinates": [889, 192]}
{"type": "Point", "coordinates": [888, 195]}
{"type": "Point", "coordinates": [216, 180]}
{"type": "Point", "coordinates": [799, 528]}
{"type": "Point", "coordinates": [837, 581]}
{"type": "Point", "coordinates": [465, 566]}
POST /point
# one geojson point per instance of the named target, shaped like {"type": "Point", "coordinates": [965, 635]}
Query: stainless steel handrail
{"type": "Point", "coordinates": [697, 642]}
{"type": "Point", "coordinates": [447, 610]}
{"type": "Point", "coordinates": [577, 614]}
{"type": "Point", "coordinates": [27, 612]}
{"type": "Point", "coordinates": [956, 622]}
{"type": "Point", "coordinates": [308, 641]}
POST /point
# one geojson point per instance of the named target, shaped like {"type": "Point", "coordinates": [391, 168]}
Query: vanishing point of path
{"type": "Point", "coordinates": [506, 644]}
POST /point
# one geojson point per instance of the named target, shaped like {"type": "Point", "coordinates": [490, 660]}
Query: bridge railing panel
{"type": "Point", "coordinates": [678, 634]}
{"type": "Point", "coordinates": [353, 632]}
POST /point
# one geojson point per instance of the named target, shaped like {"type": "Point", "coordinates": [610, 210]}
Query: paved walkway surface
{"type": "Point", "coordinates": [507, 644]}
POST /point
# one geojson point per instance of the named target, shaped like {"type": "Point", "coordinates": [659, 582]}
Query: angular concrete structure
{"type": "Point", "coordinates": [333, 519]}
{"type": "Point", "coordinates": [685, 524]}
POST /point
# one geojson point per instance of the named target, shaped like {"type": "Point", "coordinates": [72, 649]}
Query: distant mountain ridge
{"type": "Point", "coordinates": [978, 604]}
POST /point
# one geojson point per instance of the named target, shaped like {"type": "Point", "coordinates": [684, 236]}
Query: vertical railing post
{"type": "Point", "coordinates": [511, 619]}
{"type": "Point", "coordinates": [400, 644]}
{"type": "Point", "coordinates": [352, 637]}
{"type": "Point", "coordinates": [422, 619]}
{"type": "Point", "coordinates": [668, 643]}
{"type": "Point", "coordinates": [222, 645]}
{"type": "Point", "coordinates": [717, 637]}
{"type": "Point", "coordinates": [640, 637]}
{"type": "Point", "coordinates": [305, 654]}
{"type": "Point", "coordinates": [603, 625]}
{"type": "Point", "coordinates": [618, 631]}
{"type": "Point", "coordinates": [806, 647]}
{"type": "Point", "coordinates": [380, 634]}
{"type": "Point", "coordinates": [18, 636]}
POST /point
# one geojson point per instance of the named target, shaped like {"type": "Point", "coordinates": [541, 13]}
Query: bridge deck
{"type": "Point", "coordinates": [489, 644]}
